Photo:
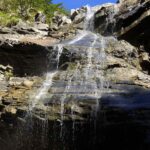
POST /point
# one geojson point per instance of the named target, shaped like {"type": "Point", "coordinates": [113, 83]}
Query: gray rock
{"type": "Point", "coordinates": [16, 81]}
{"type": "Point", "coordinates": [3, 85]}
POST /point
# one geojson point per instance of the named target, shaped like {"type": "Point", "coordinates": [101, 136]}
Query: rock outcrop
{"type": "Point", "coordinates": [24, 48]}
{"type": "Point", "coordinates": [128, 19]}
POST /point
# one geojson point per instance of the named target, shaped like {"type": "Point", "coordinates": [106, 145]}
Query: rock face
{"type": "Point", "coordinates": [83, 68]}
{"type": "Point", "coordinates": [25, 58]}
{"type": "Point", "coordinates": [25, 48]}
{"type": "Point", "coordinates": [134, 24]}
{"type": "Point", "coordinates": [128, 19]}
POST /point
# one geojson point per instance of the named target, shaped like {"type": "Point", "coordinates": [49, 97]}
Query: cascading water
{"type": "Point", "coordinates": [58, 48]}
{"type": "Point", "coordinates": [48, 81]}
{"type": "Point", "coordinates": [89, 19]}
{"type": "Point", "coordinates": [89, 26]}
{"type": "Point", "coordinates": [43, 90]}
{"type": "Point", "coordinates": [111, 18]}
{"type": "Point", "coordinates": [90, 70]}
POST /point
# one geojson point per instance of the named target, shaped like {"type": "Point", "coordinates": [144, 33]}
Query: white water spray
{"type": "Point", "coordinates": [89, 19]}
{"type": "Point", "coordinates": [88, 31]}
{"type": "Point", "coordinates": [43, 89]}
{"type": "Point", "coordinates": [59, 49]}
{"type": "Point", "coordinates": [48, 81]}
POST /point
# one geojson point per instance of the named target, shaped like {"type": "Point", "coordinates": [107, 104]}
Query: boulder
{"type": "Point", "coordinates": [10, 110]}
{"type": "Point", "coordinates": [16, 81]}
{"type": "Point", "coordinates": [40, 17]}
{"type": "Point", "coordinates": [66, 20]}
{"type": "Point", "coordinates": [3, 84]}
{"type": "Point", "coordinates": [73, 14]}
{"type": "Point", "coordinates": [28, 83]}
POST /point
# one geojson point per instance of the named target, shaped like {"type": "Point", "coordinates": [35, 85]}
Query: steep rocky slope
{"type": "Point", "coordinates": [118, 66]}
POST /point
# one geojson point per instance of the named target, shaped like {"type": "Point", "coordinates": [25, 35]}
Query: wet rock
{"type": "Point", "coordinates": [65, 20]}
{"type": "Point", "coordinates": [41, 27]}
{"type": "Point", "coordinates": [79, 18]}
{"type": "Point", "coordinates": [1, 108]}
{"type": "Point", "coordinates": [10, 110]}
{"type": "Point", "coordinates": [123, 74]}
{"type": "Point", "coordinates": [145, 56]}
{"type": "Point", "coordinates": [143, 79]}
{"type": "Point", "coordinates": [76, 109]}
{"type": "Point", "coordinates": [5, 72]}
{"type": "Point", "coordinates": [40, 17]}
{"type": "Point", "coordinates": [78, 15]}
{"type": "Point", "coordinates": [28, 83]}
{"type": "Point", "coordinates": [16, 81]}
{"type": "Point", "coordinates": [127, 20]}
{"type": "Point", "coordinates": [104, 21]}
{"type": "Point", "coordinates": [7, 100]}
{"type": "Point", "coordinates": [21, 111]}
{"type": "Point", "coordinates": [3, 85]}
{"type": "Point", "coordinates": [2, 77]}
{"type": "Point", "coordinates": [73, 14]}
{"type": "Point", "coordinates": [145, 61]}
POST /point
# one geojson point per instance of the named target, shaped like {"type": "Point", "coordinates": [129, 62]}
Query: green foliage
{"type": "Point", "coordinates": [12, 10]}
{"type": "Point", "coordinates": [8, 20]}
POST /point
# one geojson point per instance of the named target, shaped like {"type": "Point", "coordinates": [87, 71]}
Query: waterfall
{"type": "Point", "coordinates": [90, 70]}
{"type": "Point", "coordinates": [89, 19]}
{"type": "Point", "coordinates": [95, 38]}
{"type": "Point", "coordinates": [43, 89]}
{"type": "Point", "coordinates": [58, 48]}
{"type": "Point", "coordinates": [78, 37]}
{"type": "Point", "coordinates": [88, 26]}
{"type": "Point", "coordinates": [111, 18]}
{"type": "Point", "coordinates": [39, 96]}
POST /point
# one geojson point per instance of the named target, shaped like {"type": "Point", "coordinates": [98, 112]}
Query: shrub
{"type": "Point", "coordinates": [26, 10]}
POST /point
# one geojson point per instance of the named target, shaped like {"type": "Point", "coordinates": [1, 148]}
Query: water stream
{"type": "Point", "coordinates": [39, 95]}
{"type": "Point", "coordinates": [86, 73]}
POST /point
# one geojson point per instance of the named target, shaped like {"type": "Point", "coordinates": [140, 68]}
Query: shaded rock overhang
{"type": "Point", "coordinates": [25, 58]}
{"type": "Point", "coordinates": [134, 25]}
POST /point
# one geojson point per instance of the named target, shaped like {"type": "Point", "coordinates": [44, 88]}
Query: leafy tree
{"type": "Point", "coordinates": [26, 9]}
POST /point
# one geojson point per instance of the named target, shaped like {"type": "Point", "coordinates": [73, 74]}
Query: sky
{"type": "Point", "coordinates": [70, 4]}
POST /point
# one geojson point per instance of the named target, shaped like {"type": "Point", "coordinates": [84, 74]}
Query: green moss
{"type": "Point", "coordinates": [8, 74]}
{"type": "Point", "coordinates": [8, 20]}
